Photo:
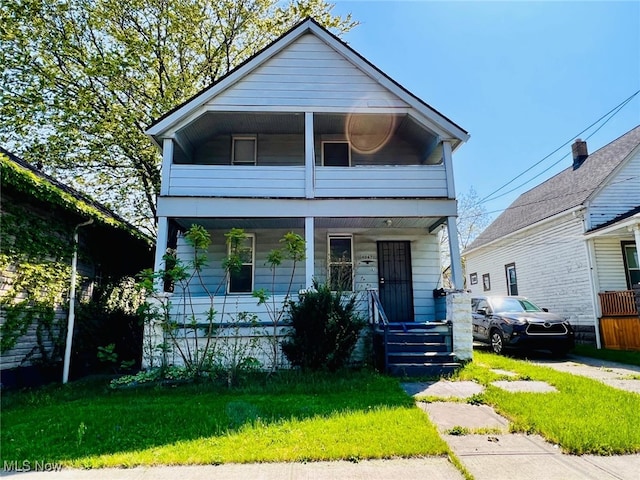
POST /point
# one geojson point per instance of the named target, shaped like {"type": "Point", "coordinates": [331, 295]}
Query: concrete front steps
{"type": "Point", "coordinates": [415, 349]}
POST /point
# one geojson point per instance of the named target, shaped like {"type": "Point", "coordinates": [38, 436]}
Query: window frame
{"type": "Point", "coordinates": [624, 244]}
{"type": "Point", "coordinates": [486, 282]}
{"type": "Point", "coordinates": [347, 142]}
{"type": "Point", "coordinates": [235, 138]}
{"type": "Point", "coordinates": [330, 263]}
{"type": "Point", "coordinates": [473, 278]}
{"type": "Point", "coordinates": [508, 267]}
{"type": "Point", "coordinates": [251, 236]}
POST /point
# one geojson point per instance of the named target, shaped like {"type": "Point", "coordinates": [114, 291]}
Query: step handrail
{"type": "Point", "coordinates": [377, 317]}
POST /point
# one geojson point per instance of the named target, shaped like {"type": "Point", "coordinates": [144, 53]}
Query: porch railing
{"type": "Point", "coordinates": [618, 304]}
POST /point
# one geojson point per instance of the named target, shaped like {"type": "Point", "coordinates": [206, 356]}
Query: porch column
{"type": "Point", "coordinates": [167, 160]}
{"type": "Point", "coordinates": [448, 166]}
{"type": "Point", "coordinates": [454, 250]}
{"type": "Point", "coordinates": [309, 157]}
{"type": "Point", "coordinates": [310, 248]}
{"type": "Point", "coordinates": [161, 246]}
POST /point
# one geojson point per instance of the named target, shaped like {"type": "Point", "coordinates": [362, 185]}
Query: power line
{"type": "Point", "coordinates": [544, 200]}
{"type": "Point", "coordinates": [614, 111]}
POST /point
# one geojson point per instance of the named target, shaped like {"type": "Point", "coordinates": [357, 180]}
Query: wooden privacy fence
{"type": "Point", "coordinates": [620, 322]}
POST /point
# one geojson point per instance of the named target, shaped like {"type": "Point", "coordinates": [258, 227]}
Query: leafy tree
{"type": "Point", "coordinates": [472, 220]}
{"type": "Point", "coordinates": [82, 79]}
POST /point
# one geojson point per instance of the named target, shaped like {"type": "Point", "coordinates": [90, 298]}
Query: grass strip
{"type": "Point", "coordinates": [584, 416]}
{"type": "Point", "coordinates": [622, 356]}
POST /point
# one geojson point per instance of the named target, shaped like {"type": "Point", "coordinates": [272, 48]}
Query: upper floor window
{"type": "Point", "coordinates": [336, 154]}
{"type": "Point", "coordinates": [241, 281]}
{"type": "Point", "coordinates": [512, 280]}
{"type": "Point", "coordinates": [341, 263]}
{"type": "Point", "coordinates": [244, 150]}
{"type": "Point", "coordinates": [631, 264]}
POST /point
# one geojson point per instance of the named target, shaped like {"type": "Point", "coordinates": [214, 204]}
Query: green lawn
{"type": "Point", "coordinates": [293, 417]}
{"type": "Point", "coordinates": [289, 418]}
{"type": "Point", "coordinates": [584, 416]}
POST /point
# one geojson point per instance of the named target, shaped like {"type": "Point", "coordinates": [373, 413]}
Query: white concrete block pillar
{"type": "Point", "coordinates": [459, 313]}
{"type": "Point", "coordinates": [153, 336]}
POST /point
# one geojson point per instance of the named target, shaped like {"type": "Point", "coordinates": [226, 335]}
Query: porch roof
{"type": "Point", "coordinates": [620, 225]}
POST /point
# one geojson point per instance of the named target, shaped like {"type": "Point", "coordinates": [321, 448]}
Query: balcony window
{"type": "Point", "coordinates": [341, 263]}
{"type": "Point", "coordinates": [241, 280]}
{"type": "Point", "coordinates": [336, 154]}
{"type": "Point", "coordinates": [244, 151]}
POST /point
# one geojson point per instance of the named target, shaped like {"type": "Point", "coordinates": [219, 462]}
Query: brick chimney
{"type": "Point", "coordinates": [580, 154]}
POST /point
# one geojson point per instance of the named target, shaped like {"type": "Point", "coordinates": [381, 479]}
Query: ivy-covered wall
{"type": "Point", "coordinates": [38, 218]}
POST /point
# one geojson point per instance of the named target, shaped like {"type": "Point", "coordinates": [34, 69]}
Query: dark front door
{"type": "Point", "coordinates": [394, 280]}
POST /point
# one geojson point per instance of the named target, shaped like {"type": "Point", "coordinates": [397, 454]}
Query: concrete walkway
{"type": "Point", "coordinates": [617, 375]}
{"type": "Point", "coordinates": [496, 454]}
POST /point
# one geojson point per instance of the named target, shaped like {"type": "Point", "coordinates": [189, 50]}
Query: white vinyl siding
{"type": "Point", "coordinates": [609, 263]}
{"type": "Point", "coordinates": [266, 240]}
{"type": "Point", "coordinates": [365, 182]}
{"type": "Point", "coordinates": [552, 267]}
{"type": "Point", "coordinates": [621, 194]}
{"type": "Point", "coordinates": [308, 73]}
{"type": "Point", "coordinates": [425, 264]}
{"type": "Point", "coordinates": [288, 182]}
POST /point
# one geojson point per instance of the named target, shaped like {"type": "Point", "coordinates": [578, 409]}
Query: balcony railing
{"type": "Point", "coordinates": [618, 304]}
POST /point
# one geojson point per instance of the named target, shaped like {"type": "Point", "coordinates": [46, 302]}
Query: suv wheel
{"type": "Point", "coordinates": [497, 341]}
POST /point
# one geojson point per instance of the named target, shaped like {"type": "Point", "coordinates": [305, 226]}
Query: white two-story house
{"type": "Point", "coordinates": [308, 136]}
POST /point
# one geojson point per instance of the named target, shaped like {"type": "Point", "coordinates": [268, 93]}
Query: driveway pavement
{"type": "Point", "coordinates": [493, 455]}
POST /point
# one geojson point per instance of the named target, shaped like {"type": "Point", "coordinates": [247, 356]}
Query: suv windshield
{"type": "Point", "coordinates": [508, 304]}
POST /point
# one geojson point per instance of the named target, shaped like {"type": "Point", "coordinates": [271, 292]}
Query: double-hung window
{"type": "Point", "coordinates": [340, 263]}
{"type": "Point", "coordinates": [241, 279]}
{"type": "Point", "coordinates": [244, 150]}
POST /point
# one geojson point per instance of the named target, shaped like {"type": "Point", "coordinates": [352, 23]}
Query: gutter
{"type": "Point", "coordinates": [72, 302]}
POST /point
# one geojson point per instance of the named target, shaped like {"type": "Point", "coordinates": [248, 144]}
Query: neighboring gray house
{"type": "Point", "coordinates": [38, 218]}
{"type": "Point", "coordinates": [308, 136]}
{"type": "Point", "coordinates": [571, 244]}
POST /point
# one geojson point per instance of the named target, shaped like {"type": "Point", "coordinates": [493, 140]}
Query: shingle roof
{"type": "Point", "coordinates": [568, 189]}
{"type": "Point", "coordinates": [88, 205]}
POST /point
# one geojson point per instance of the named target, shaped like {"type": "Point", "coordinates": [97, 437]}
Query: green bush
{"type": "Point", "coordinates": [325, 328]}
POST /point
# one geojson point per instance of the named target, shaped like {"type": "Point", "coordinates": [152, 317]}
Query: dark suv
{"type": "Point", "coordinates": [503, 321]}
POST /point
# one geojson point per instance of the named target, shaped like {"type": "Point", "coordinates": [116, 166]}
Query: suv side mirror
{"type": "Point", "coordinates": [545, 309]}
{"type": "Point", "coordinates": [482, 311]}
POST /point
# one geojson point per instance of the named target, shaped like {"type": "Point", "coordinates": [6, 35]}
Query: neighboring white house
{"type": "Point", "coordinates": [571, 243]}
{"type": "Point", "coordinates": [308, 136]}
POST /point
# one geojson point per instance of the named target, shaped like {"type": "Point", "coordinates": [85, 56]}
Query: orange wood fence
{"type": "Point", "coordinates": [620, 322]}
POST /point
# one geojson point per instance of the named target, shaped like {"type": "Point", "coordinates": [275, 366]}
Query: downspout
{"type": "Point", "coordinates": [72, 302]}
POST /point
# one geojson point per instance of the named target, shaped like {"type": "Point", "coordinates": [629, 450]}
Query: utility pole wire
{"type": "Point", "coordinates": [611, 112]}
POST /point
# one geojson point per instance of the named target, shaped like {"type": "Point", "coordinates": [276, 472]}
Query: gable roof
{"type": "Point", "coordinates": [564, 191]}
{"type": "Point", "coordinates": [26, 178]}
{"type": "Point", "coordinates": [309, 25]}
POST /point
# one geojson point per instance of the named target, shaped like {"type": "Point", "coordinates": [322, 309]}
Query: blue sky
{"type": "Point", "coordinates": [521, 77]}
